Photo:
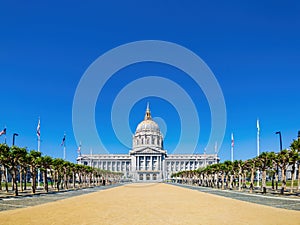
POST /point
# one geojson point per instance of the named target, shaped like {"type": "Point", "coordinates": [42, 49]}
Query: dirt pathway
{"type": "Point", "coordinates": [149, 204]}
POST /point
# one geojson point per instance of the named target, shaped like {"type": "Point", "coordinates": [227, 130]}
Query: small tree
{"type": "Point", "coordinates": [16, 155]}
{"type": "Point", "coordinates": [283, 158]}
{"type": "Point", "coordinates": [34, 160]}
{"type": "Point", "coordinates": [295, 146]}
{"type": "Point", "coordinates": [5, 162]}
{"type": "Point", "coordinates": [45, 162]}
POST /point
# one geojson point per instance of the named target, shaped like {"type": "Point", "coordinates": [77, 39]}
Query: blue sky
{"type": "Point", "coordinates": [252, 47]}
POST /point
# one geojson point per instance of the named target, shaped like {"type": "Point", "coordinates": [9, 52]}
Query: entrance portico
{"type": "Point", "coordinates": [149, 164]}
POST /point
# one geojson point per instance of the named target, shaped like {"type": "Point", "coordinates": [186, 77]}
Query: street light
{"type": "Point", "coordinates": [15, 134]}
{"type": "Point", "coordinates": [277, 168]}
{"type": "Point", "coordinates": [280, 139]}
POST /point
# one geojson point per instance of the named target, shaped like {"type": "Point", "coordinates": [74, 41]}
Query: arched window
{"type": "Point", "coordinates": [147, 176]}
{"type": "Point", "coordinates": [154, 176]}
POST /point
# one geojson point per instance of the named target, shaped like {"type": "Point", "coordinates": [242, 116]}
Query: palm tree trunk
{"type": "Point", "coordinates": [244, 179]}
{"type": "Point", "coordinates": [252, 180]}
{"type": "Point", "coordinates": [90, 179]}
{"type": "Point", "coordinates": [231, 181]}
{"type": "Point", "coordinates": [58, 181]}
{"type": "Point", "coordinates": [240, 182]}
{"type": "Point", "coordinates": [65, 180]}
{"type": "Point", "coordinates": [293, 178]}
{"type": "Point", "coordinates": [74, 181]}
{"type": "Point", "coordinates": [263, 181]}
{"type": "Point", "coordinates": [33, 177]}
{"type": "Point", "coordinates": [298, 176]}
{"type": "Point", "coordinates": [45, 180]}
{"type": "Point", "coordinates": [1, 175]}
{"type": "Point", "coordinates": [223, 183]}
{"type": "Point", "coordinates": [276, 179]}
{"type": "Point", "coordinates": [283, 180]}
{"type": "Point", "coordinates": [25, 179]}
{"type": "Point", "coordinates": [21, 180]}
{"type": "Point", "coordinates": [5, 178]}
{"type": "Point", "coordinates": [15, 183]}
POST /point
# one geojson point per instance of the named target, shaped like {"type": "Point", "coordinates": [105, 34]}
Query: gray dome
{"type": "Point", "coordinates": [147, 125]}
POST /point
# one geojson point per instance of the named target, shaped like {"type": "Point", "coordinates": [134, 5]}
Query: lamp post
{"type": "Point", "coordinates": [277, 169]}
{"type": "Point", "coordinates": [280, 139]}
{"type": "Point", "coordinates": [15, 134]}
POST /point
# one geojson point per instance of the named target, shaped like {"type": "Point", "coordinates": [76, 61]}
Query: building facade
{"type": "Point", "coordinates": [148, 161]}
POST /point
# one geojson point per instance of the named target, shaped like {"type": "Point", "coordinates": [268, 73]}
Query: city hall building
{"type": "Point", "coordinates": [148, 161]}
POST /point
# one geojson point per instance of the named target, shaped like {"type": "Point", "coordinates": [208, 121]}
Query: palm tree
{"type": "Point", "coordinates": [33, 160]}
{"type": "Point", "coordinates": [296, 146]}
{"type": "Point", "coordinates": [4, 161]}
{"type": "Point", "coordinates": [78, 169]}
{"type": "Point", "coordinates": [224, 172]}
{"type": "Point", "coordinates": [264, 163]}
{"type": "Point", "coordinates": [45, 162]}
{"type": "Point", "coordinates": [274, 167]}
{"type": "Point", "coordinates": [251, 166]}
{"type": "Point", "coordinates": [293, 157]}
{"type": "Point", "coordinates": [16, 155]}
{"type": "Point", "coordinates": [66, 170]}
{"type": "Point", "coordinates": [283, 163]}
{"type": "Point", "coordinates": [228, 168]}
{"type": "Point", "coordinates": [74, 170]}
{"type": "Point", "coordinates": [57, 167]}
{"type": "Point", "coordinates": [237, 168]}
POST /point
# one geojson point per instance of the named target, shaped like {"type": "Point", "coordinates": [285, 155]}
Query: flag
{"type": "Point", "coordinates": [257, 125]}
{"type": "Point", "coordinates": [232, 140]}
{"type": "Point", "coordinates": [3, 131]}
{"type": "Point", "coordinates": [63, 140]}
{"type": "Point", "coordinates": [79, 149]}
{"type": "Point", "coordinates": [38, 129]}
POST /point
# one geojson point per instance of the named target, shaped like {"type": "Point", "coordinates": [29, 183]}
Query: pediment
{"type": "Point", "coordinates": [147, 150]}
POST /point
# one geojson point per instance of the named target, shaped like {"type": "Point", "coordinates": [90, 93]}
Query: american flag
{"type": "Point", "coordinates": [63, 140]}
{"type": "Point", "coordinates": [3, 131]}
{"type": "Point", "coordinates": [38, 129]}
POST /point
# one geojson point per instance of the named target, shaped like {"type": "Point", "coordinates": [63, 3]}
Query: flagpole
{"type": "Point", "coordinates": [79, 149]}
{"type": "Point", "coordinates": [64, 145]}
{"type": "Point", "coordinates": [258, 129]}
{"type": "Point", "coordinates": [232, 144]}
{"type": "Point", "coordinates": [64, 152]}
{"type": "Point", "coordinates": [39, 146]}
{"type": "Point", "coordinates": [5, 135]}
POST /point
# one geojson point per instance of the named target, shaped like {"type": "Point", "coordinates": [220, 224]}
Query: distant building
{"type": "Point", "coordinates": [148, 161]}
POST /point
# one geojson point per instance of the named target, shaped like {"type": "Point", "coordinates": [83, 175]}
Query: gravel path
{"type": "Point", "coordinates": [147, 204]}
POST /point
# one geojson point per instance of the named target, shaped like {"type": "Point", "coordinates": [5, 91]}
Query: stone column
{"type": "Point", "coordinates": [158, 163]}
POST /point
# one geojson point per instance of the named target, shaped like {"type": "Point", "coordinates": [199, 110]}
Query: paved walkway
{"type": "Point", "coordinates": [292, 203]}
{"type": "Point", "coordinates": [27, 199]}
